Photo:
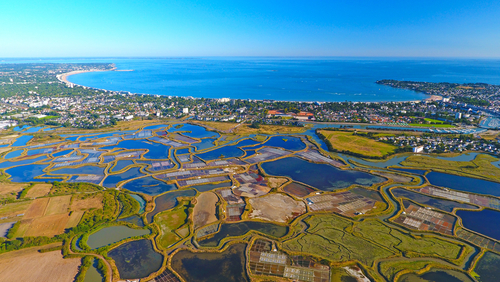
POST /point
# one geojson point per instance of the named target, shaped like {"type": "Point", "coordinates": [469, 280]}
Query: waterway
{"type": "Point", "coordinates": [113, 234]}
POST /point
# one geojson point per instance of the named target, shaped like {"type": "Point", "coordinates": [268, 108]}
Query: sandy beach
{"type": "Point", "coordinates": [63, 77]}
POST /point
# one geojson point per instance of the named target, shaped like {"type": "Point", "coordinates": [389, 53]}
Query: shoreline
{"type": "Point", "coordinates": [63, 77]}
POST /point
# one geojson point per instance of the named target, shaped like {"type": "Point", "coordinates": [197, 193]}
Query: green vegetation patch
{"type": "Point", "coordinates": [350, 142]}
{"type": "Point", "coordinates": [480, 167]}
{"type": "Point", "coordinates": [171, 224]}
{"type": "Point", "coordinates": [129, 205]}
{"type": "Point", "coordinates": [339, 239]}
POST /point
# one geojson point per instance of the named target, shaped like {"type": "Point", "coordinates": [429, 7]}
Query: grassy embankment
{"type": "Point", "coordinates": [349, 142]}
{"type": "Point", "coordinates": [480, 167]}
{"type": "Point", "coordinates": [341, 240]}
{"type": "Point", "coordinates": [174, 224]}
{"type": "Point", "coordinates": [246, 129]}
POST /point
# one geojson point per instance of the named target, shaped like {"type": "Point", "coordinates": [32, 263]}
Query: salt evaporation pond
{"type": "Point", "coordinates": [27, 173]}
{"type": "Point", "coordinates": [463, 183]}
{"type": "Point", "coordinates": [322, 176]}
{"type": "Point", "coordinates": [156, 150]}
{"type": "Point", "coordinates": [121, 165]}
{"type": "Point", "coordinates": [487, 267]}
{"type": "Point", "coordinates": [444, 205]}
{"type": "Point", "coordinates": [149, 185]}
{"type": "Point", "coordinates": [441, 275]}
{"type": "Point", "coordinates": [136, 259]}
{"type": "Point", "coordinates": [285, 142]}
{"type": "Point", "coordinates": [228, 265]}
{"type": "Point", "coordinates": [113, 234]}
{"type": "Point", "coordinates": [485, 222]}
{"type": "Point", "coordinates": [194, 131]}
{"type": "Point", "coordinates": [114, 179]}
{"type": "Point", "coordinates": [222, 152]}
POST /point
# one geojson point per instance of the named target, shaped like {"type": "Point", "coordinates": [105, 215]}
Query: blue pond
{"type": "Point", "coordinates": [194, 131]}
{"type": "Point", "coordinates": [156, 150]}
{"type": "Point", "coordinates": [285, 142]}
{"type": "Point", "coordinates": [88, 169]}
{"type": "Point", "coordinates": [17, 128]}
{"type": "Point", "coordinates": [204, 144]}
{"type": "Point", "coordinates": [13, 154]}
{"type": "Point", "coordinates": [112, 180]}
{"type": "Point", "coordinates": [62, 153]}
{"type": "Point", "coordinates": [156, 126]}
{"type": "Point", "coordinates": [463, 183]}
{"type": "Point", "coordinates": [484, 222]}
{"type": "Point", "coordinates": [121, 165]}
{"type": "Point", "coordinates": [149, 185]}
{"type": "Point", "coordinates": [28, 173]}
{"type": "Point", "coordinates": [321, 176]}
{"type": "Point", "coordinates": [183, 151]}
{"type": "Point", "coordinates": [34, 129]}
{"type": "Point", "coordinates": [226, 152]}
{"type": "Point", "coordinates": [141, 201]}
{"type": "Point", "coordinates": [23, 162]}
{"type": "Point", "coordinates": [21, 141]}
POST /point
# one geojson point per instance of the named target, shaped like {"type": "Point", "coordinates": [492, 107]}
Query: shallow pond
{"type": "Point", "coordinates": [142, 202]}
{"type": "Point", "coordinates": [222, 152]}
{"type": "Point", "coordinates": [444, 205]}
{"type": "Point", "coordinates": [212, 267]}
{"type": "Point", "coordinates": [34, 129]}
{"type": "Point", "coordinates": [168, 201]}
{"type": "Point", "coordinates": [158, 126]}
{"type": "Point", "coordinates": [208, 187]}
{"type": "Point", "coordinates": [156, 150]}
{"type": "Point", "coordinates": [322, 176]}
{"type": "Point", "coordinates": [21, 141]}
{"type": "Point", "coordinates": [13, 154]}
{"type": "Point", "coordinates": [23, 162]}
{"type": "Point", "coordinates": [136, 259]}
{"type": "Point", "coordinates": [241, 228]}
{"type": "Point", "coordinates": [204, 144]}
{"type": "Point", "coordinates": [285, 142]}
{"type": "Point", "coordinates": [488, 267]}
{"type": "Point", "coordinates": [149, 185]}
{"type": "Point", "coordinates": [87, 169]}
{"type": "Point", "coordinates": [113, 234]}
{"type": "Point", "coordinates": [93, 274]}
{"type": "Point", "coordinates": [113, 180]}
{"type": "Point", "coordinates": [440, 275]}
{"type": "Point", "coordinates": [463, 183]}
{"type": "Point", "coordinates": [28, 173]}
{"type": "Point", "coordinates": [194, 131]}
{"type": "Point", "coordinates": [135, 219]}
{"type": "Point", "coordinates": [17, 128]}
{"type": "Point", "coordinates": [62, 153]}
{"type": "Point", "coordinates": [121, 165]}
{"type": "Point", "coordinates": [183, 151]}
{"type": "Point", "coordinates": [485, 222]}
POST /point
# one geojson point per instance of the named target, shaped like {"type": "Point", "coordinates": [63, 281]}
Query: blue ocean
{"type": "Point", "coordinates": [291, 79]}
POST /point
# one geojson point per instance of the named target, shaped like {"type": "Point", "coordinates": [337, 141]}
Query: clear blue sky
{"type": "Point", "coordinates": [89, 28]}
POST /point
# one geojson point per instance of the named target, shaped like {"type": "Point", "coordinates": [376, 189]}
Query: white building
{"type": "Point", "coordinates": [418, 149]}
{"type": "Point", "coordinates": [185, 111]}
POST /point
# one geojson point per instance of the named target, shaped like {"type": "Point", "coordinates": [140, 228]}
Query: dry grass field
{"type": "Point", "coordinates": [10, 210]}
{"type": "Point", "coordinates": [58, 205]}
{"type": "Point", "coordinates": [7, 188]}
{"type": "Point", "coordinates": [276, 207]}
{"type": "Point", "coordinates": [205, 209]}
{"type": "Point", "coordinates": [48, 217]}
{"type": "Point", "coordinates": [37, 208]}
{"type": "Point", "coordinates": [49, 225]}
{"type": "Point", "coordinates": [39, 190]}
{"type": "Point", "coordinates": [84, 202]}
{"type": "Point", "coordinates": [348, 141]}
{"type": "Point", "coordinates": [275, 182]}
{"type": "Point", "coordinates": [29, 265]}
{"type": "Point", "coordinates": [74, 218]}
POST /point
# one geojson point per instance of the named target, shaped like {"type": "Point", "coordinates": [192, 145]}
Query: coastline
{"type": "Point", "coordinates": [63, 77]}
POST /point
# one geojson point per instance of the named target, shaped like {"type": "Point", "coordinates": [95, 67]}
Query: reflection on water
{"type": "Point", "coordinates": [322, 176]}
{"type": "Point", "coordinates": [136, 259]}
{"type": "Point", "coordinates": [113, 234]}
{"type": "Point", "coordinates": [212, 267]}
